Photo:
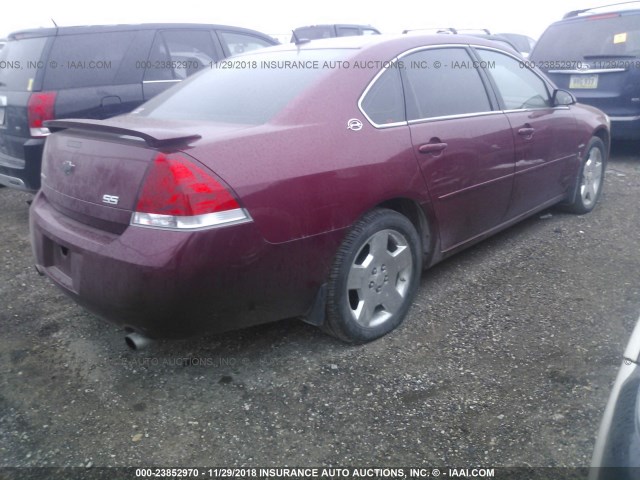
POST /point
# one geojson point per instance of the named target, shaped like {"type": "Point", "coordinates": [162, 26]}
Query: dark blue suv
{"type": "Point", "coordinates": [96, 71]}
{"type": "Point", "coordinates": [595, 53]}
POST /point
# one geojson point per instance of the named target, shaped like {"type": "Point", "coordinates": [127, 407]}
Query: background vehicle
{"type": "Point", "coordinates": [523, 43]}
{"type": "Point", "coordinates": [616, 455]}
{"type": "Point", "coordinates": [313, 32]}
{"type": "Point", "coordinates": [480, 33]}
{"type": "Point", "coordinates": [595, 53]}
{"type": "Point", "coordinates": [95, 72]}
{"type": "Point", "coordinates": [248, 195]}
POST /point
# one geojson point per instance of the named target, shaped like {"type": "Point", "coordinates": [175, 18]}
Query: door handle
{"type": "Point", "coordinates": [526, 131]}
{"type": "Point", "coordinates": [432, 147]}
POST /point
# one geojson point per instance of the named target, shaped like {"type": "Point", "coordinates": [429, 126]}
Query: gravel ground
{"type": "Point", "coordinates": [506, 359]}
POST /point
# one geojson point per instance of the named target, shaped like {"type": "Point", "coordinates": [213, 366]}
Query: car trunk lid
{"type": "Point", "coordinates": [92, 170]}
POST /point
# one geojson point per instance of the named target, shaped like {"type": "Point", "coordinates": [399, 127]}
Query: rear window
{"type": "Point", "coordinates": [590, 38]}
{"type": "Point", "coordinates": [87, 60]}
{"type": "Point", "coordinates": [19, 62]}
{"type": "Point", "coordinates": [248, 89]}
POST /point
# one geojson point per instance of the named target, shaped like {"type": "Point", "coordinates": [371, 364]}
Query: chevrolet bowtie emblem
{"type": "Point", "coordinates": [68, 167]}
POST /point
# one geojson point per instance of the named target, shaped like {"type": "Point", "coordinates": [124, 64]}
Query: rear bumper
{"type": "Point", "coordinates": [22, 173]}
{"type": "Point", "coordinates": [177, 284]}
{"type": "Point", "coordinates": [625, 128]}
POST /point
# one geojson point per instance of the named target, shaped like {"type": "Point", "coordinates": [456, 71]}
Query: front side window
{"type": "Point", "coordinates": [519, 87]}
{"type": "Point", "coordinates": [442, 82]}
{"type": "Point", "coordinates": [241, 42]}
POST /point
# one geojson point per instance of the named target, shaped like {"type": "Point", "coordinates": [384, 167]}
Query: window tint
{"type": "Point", "coordinates": [177, 54]}
{"type": "Point", "coordinates": [519, 87]}
{"type": "Point", "coordinates": [454, 88]}
{"type": "Point", "coordinates": [384, 102]}
{"type": "Point", "coordinates": [312, 33]}
{"type": "Point", "coordinates": [581, 39]}
{"type": "Point", "coordinates": [87, 60]}
{"type": "Point", "coordinates": [242, 42]}
{"type": "Point", "coordinates": [19, 63]}
{"type": "Point", "coordinates": [347, 31]}
{"type": "Point", "coordinates": [241, 95]}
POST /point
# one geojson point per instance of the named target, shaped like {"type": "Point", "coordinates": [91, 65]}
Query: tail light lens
{"type": "Point", "coordinates": [179, 195]}
{"type": "Point", "coordinates": [40, 108]}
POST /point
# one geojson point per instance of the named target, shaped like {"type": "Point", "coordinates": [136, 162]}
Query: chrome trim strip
{"type": "Point", "coordinates": [587, 72]}
{"type": "Point", "coordinates": [624, 119]}
{"type": "Point", "coordinates": [451, 117]}
{"type": "Point", "coordinates": [161, 81]}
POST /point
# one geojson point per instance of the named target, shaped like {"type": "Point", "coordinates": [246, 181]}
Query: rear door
{"type": "Point", "coordinates": [544, 135]}
{"type": "Point", "coordinates": [463, 145]}
{"type": "Point", "coordinates": [95, 74]}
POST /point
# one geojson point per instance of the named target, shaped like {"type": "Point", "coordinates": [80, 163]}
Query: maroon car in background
{"type": "Point", "coordinates": [312, 181]}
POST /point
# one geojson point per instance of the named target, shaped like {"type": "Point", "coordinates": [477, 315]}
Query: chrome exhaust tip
{"type": "Point", "coordinates": [135, 341]}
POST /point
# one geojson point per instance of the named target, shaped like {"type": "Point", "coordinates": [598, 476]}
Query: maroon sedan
{"type": "Point", "coordinates": [312, 181]}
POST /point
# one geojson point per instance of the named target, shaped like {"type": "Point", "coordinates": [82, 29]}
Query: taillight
{"type": "Point", "coordinates": [40, 108]}
{"type": "Point", "coordinates": [178, 194]}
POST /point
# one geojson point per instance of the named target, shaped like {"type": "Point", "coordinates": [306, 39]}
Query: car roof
{"type": "Point", "coordinates": [387, 42]}
{"type": "Point", "coordinates": [620, 7]}
{"type": "Point", "coordinates": [74, 30]}
{"type": "Point", "coordinates": [354, 25]}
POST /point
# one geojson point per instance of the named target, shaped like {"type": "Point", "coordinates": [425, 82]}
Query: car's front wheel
{"type": "Point", "coordinates": [374, 277]}
{"type": "Point", "coordinates": [591, 178]}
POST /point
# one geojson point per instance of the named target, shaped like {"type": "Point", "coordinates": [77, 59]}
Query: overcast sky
{"type": "Point", "coordinates": [280, 16]}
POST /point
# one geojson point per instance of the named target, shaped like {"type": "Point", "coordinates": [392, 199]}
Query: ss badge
{"type": "Point", "coordinates": [110, 199]}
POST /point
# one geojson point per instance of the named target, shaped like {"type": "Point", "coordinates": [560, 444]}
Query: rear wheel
{"type": "Point", "coordinates": [374, 277]}
{"type": "Point", "coordinates": [591, 178]}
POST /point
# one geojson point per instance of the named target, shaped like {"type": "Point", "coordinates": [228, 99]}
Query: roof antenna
{"type": "Point", "coordinates": [54, 22]}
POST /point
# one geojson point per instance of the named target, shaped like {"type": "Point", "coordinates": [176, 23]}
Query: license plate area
{"type": "Point", "coordinates": [583, 81]}
{"type": "Point", "coordinates": [59, 261]}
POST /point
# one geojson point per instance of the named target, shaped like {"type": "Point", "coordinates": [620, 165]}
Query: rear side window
{"type": "Point", "coordinates": [19, 62]}
{"type": "Point", "coordinates": [442, 82]}
{"type": "Point", "coordinates": [519, 87]}
{"type": "Point", "coordinates": [581, 40]}
{"type": "Point", "coordinates": [87, 60]}
{"type": "Point", "coordinates": [384, 101]}
{"type": "Point", "coordinates": [242, 42]}
{"type": "Point", "coordinates": [177, 54]}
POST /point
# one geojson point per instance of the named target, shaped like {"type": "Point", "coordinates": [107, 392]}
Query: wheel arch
{"type": "Point", "coordinates": [604, 135]}
{"type": "Point", "coordinates": [417, 216]}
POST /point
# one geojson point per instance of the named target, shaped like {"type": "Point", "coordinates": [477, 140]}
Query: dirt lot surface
{"type": "Point", "coordinates": [506, 359]}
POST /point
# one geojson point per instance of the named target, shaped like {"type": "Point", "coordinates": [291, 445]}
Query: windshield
{"type": "Point", "coordinates": [617, 36]}
{"type": "Point", "coordinates": [19, 62]}
{"type": "Point", "coordinates": [247, 89]}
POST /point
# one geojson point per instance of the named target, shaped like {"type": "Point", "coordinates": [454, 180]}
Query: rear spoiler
{"type": "Point", "coordinates": [153, 136]}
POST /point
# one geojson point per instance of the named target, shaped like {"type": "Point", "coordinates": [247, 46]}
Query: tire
{"type": "Point", "coordinates": [374, 277]}
{"type": "Point", "coordinates": [590, 179]}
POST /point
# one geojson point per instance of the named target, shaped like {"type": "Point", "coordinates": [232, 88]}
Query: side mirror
{"type": "Point", "coordinates": [562, 98]}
